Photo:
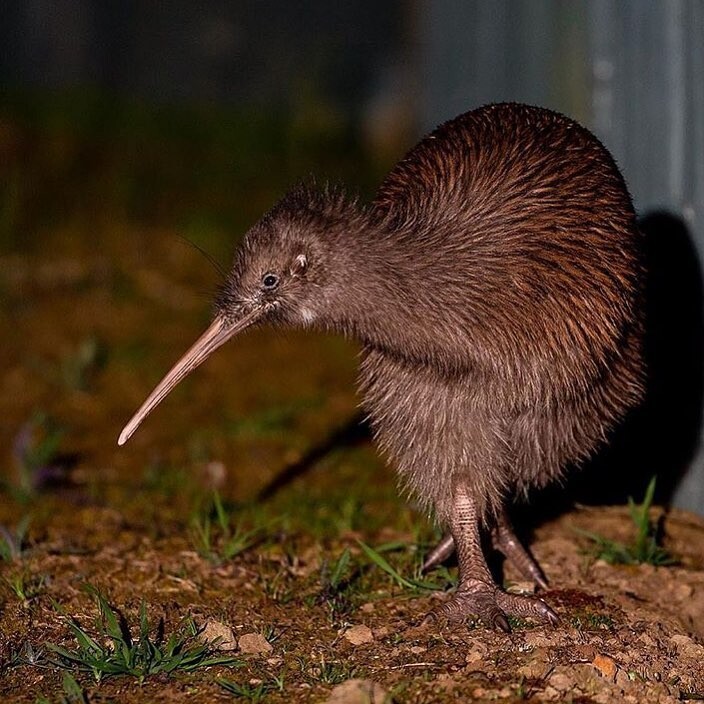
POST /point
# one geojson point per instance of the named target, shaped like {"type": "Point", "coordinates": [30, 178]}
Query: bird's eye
{"type": "Point", "coordinates": [270, 281]}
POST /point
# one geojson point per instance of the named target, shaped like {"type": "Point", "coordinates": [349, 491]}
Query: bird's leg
{"type": "Point", "coordinates": [477, 594]}
{"type": "Point", "coordinates": [505, 541]}
{"type": "Point", "coordinates": [439, 553]}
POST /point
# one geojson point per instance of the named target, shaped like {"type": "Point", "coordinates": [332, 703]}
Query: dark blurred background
{"type": "Point", "coordinates": [193, 117]}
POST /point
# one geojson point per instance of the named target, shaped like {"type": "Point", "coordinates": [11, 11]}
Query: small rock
{"type": "Point", "coordinates": [646, 640]}
{"type": "Point", "coordinates": [367, 608]}
{"type": "Point", "coordinates": [358, 635]}
{"type": "Point", "coordinates": [357, 692]}
{"type": "Point", "coordinates": [219, 635]}
{"type": "Point", "coordinates": [214, 474]}
{"type": "Point", "coordinates": [683, 591]}
{"type": "Point", "coordinates": [686, 646]}
{"type": "Point", "coordinates": [561, 682]}
{"type": "Point", "coordinates": [534, 667]}
{"type": "Point", "coordinates": [550, 693]}
{"type": "Point", "coordinates": [623, 679]}
{"type": "Point", "coordinates": [476, 653]}
{"type": "Point", "coordinates": [254, 643]}
{"type": "Point", "coordinates": [606, 666]}
{"type": "Point", "coordinates": [418, 649]}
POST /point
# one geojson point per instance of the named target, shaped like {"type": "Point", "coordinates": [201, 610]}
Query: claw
{"type": "Point", "coordinates": [493, 606]}
{"type": "Point", "coordinates": [549, 615]}
{"type": "Point", "coordinates": [500, 621]}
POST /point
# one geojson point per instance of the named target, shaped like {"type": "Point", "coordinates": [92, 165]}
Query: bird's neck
{"type": "Point", "coordinates": [382, 296]}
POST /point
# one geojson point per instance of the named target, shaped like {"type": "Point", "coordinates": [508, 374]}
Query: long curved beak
{"type": "Point", "coordinates": [219, 332]}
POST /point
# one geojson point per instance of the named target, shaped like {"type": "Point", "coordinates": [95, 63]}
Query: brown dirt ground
{"type": "Point", "coordinates": [121, 519]}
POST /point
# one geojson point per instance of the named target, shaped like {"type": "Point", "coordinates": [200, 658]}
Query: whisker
{"type": "Point", "coordinates": [209, 257]}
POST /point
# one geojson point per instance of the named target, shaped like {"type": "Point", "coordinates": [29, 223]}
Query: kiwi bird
{"type": "Point", "coordinates": [494, 283]}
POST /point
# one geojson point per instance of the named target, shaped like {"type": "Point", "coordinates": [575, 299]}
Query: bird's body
{"type": "Point", "coordinates": [522, 278]}
{"type": "Point", "coordinates": [495, 284]}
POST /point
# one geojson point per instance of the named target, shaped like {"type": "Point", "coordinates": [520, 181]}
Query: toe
{"type": "Point", "coordinates": [526, 607]}
{"type": "Point", "coordinates": [501, 622]}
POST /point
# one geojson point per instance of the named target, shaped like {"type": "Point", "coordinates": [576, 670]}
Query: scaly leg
{"type": "Point", "coordinates": [505, 541]}
{"type": "Point", "coordinates": [476, 592]}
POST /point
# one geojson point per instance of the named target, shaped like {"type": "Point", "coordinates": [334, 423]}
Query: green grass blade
{"type": "Point", "coordinates": [340, 568]}
{"type": "Point", "coordinates": [383, 564]}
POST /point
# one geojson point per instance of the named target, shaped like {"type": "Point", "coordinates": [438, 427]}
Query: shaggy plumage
{"type": "Point", "coordinates": [495, 285]}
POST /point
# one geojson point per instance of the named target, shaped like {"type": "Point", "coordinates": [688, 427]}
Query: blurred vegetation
{"type": "Point", "coordinates": [83, 158]}
{"type": "Point", "coordinates": [646, 547]}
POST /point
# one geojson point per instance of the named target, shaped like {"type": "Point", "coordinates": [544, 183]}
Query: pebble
{"type": "Point", "coordinates": [219, 635]}
{"type": "Point", "coordinates": [476, 652]}
{"type": "Point", "coordinates": [534, 667]}
{"type": "Point", "coordinates": [686, 646]}
{"type": "Point", "coordinates": [683, 591]}
{"type": "Point", "coordinates": [550, 693]}
{"type": "Point", "coordinates": [561, 682]}
{"type": "Point", "coordinates": [357, 692]}
{"type": "Point", "coordinates": [254, 643]}
{"type": "Point", "coordinates": [606, 666]}
{"type": "Point", "coordinates": [359, 635]}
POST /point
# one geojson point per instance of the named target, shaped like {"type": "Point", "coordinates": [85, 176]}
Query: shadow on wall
{"type": "Point", "coordinates": [661, 437]}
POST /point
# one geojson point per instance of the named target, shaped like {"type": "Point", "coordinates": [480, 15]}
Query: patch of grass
{"type": "Point", "coordinates": [253, 691]}
{"type": "Point", "coordinates": [35, 451]}
{"type": "Point", "coordinates": [16, 655]}
{"type": "Point", "coordinates": [351, 515]}
{"type": "Point", "coordinates": [518, 624]}
{"type": "Point", "coordinates": [337, 584]}
{"type": "Point", "coordinates": [165, 479]}
{"type": "Point", "coordinates": [26, 587]}
{"type": "Point", "coordinates": [338, 572]}
{"type": "Point", "coordinates": [273, 421]}
{"type": "Point", "coordinates": [326, 671]}
{"type": "Point", "coordinates": [280, 587]}
{"type": "Point", "coordinates": [376, 557]}
{"type": "Point", "coordinates": [272, 633]}
{"type": "Point", "coordinates": [591, 621]}
{"type": "Point", "coordinates": [115, 651]}
{"type": "Point", "coordinates": [73, 693]}
{"type": "Point", "coordinates": [78, 369]}
{"type": "Point", "coordinates": [14, 542]}
{"type": "Point", "coordinates": [646, 548]}
{"type": "Point", "coordinates": [217, 537]}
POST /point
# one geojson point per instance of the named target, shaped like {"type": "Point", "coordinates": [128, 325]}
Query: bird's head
{"type": "Point", "coordinates": [280, 276]}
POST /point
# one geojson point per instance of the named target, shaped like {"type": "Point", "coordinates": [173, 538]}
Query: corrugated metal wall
{"type": "Point", "coordinates": [633, 71]}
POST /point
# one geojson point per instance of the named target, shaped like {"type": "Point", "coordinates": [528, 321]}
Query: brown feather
{"type": "Point", "coordinates": [495, 283]}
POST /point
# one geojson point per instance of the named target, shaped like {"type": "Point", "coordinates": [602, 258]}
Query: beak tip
{"type": "Point", "coordinates": [217, 334]}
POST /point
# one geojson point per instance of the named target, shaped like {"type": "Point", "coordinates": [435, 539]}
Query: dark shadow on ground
{"type": "Point", "coordinates": [351, 433]}
{"type": "Point", "coordinates": [661, 437]}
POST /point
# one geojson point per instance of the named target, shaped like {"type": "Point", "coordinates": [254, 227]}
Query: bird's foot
{"type": "Point", "coordinates": [504, 540]}
{"type": "Point", "coordinates": [493, 606]}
